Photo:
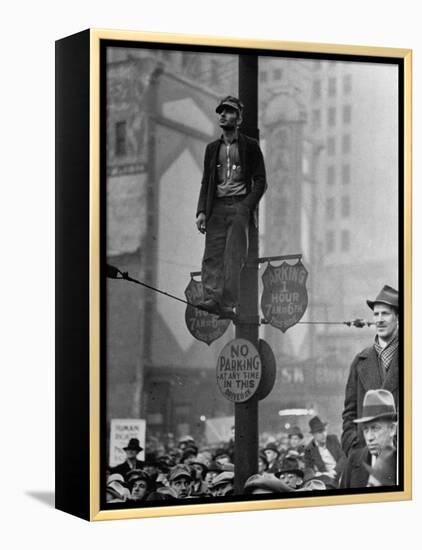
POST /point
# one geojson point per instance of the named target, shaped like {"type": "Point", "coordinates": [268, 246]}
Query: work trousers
{"type": "Point", "coordinates": [226, 250]}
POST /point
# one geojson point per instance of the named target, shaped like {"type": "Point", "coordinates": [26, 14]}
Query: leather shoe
{"type": "Point", "coordinates": [210, 306]}
{"type": "Point", "coordinates": [227, 312]}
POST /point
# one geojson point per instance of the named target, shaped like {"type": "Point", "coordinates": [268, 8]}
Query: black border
{"type": "Point", "coordinates": [297, 54]}
{"type": "Point", "coordinates": [72, 384]}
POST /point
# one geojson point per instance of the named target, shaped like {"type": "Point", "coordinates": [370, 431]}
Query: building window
{"type": "Point", "coordinates": [345, 240]}
{"type": "Point", "coordinates": [345, 174]}
{"type": "Point", "coordinates": [345, 206]}
{"type": "Point", "coordinates": [214, 73]}
{"type": "Point", "coordinates": [316, 89]}
{"type": "Point", "coordinates": [120, 143]}
{"type": "Point", "coordinates": [329, 208]}
{"type": "Point", "coordinates": [347, 114]}
{"type": "Point", "coordinates": [346, 144]}
{"type": "Point", "coordinates": [331, 116]}
{"type": "Point", "coordinates": [332, 87]}
{"type": "Point", "coordinates": [331, 175]}
{"type": "Point", "coordinates": [347, 83]}
{"type": "Point", "coordinates": [277, 74]}
{"type": "Point", "coordinates": [316, 119]}
{"type": "Point", "coordinates": [329, 241]}
{"type": "Point", "coordinates": [263, 75]}
{"type": "Point", "coordinates": [331, 146]}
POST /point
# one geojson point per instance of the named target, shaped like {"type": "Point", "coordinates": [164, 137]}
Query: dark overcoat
{"type": "Point", "coordinates": [314, 462]}
{"type": "Point", "coordinates": [366, 373]}
{"type": "Point", "coordinates": [253, 169]}
{"type": "Point", "coordinates": [355, 474]}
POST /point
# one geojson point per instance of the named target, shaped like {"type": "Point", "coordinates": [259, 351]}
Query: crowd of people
{"type": "Point", "coordinates": [285, 464]}
{"type": "Point", "coordinates": [366, 456]}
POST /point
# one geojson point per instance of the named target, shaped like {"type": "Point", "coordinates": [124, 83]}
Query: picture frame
{"type": "Point", "coordinates": [99, 78]}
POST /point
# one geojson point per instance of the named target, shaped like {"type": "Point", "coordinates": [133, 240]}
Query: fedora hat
{"type": "Point", "coordinates": [133, 445]}
{"type": "Point", "coordinates": [290, 465]}
{"type": "Point", "coordinates": [295, 430]}
{"type": "Point", "coordinates": [271, 447]}
{"type": "Point", "coordinates": [222, 478]}
{"type": "Point", "coordinates": [387, 295]}
{"type": "Point", "coordinates": [267, 482]}
{"type": "Point", "coordinates": [317, 425]}
{"type": "Point", "coordinates": [377, 404]}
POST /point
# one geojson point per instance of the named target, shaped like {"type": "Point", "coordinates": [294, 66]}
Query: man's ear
{"type": "Point", "coordinates": [239, 120]}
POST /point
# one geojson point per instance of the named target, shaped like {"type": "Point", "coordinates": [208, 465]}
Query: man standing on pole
{"type": "Point", "coordinates": [233, 182]}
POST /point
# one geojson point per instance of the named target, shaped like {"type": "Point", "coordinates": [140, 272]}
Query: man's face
{"type": "Point", "coordinates": [181, 486]}
{"type": "Point", "coordinates": [294, 441]}
{"type": "Point", "coordinates": [320, 437]}
{"type": "Point", "coordinates": [284, 441]}
{"type": "Point", "coordinates": [210, 476]}
{"type": "Point", "coordinates": [151, 470]}
{"type": "Point", "coordinates": [271, 455]}
{"type": "Point", "coordinates": [228, 118]}
{"type": "Point", "coordinates": [198, 470]}
{"type": "Point", "coordinates": [139, 489]}
{"type": "Point", "coordinates": [290, 479]}
{"type": "Point", "coordinates": [261, 466]}
{"type": "Point", "coordinates": [385, 321]}
{"type": "Point", "coordinates": [378, 435]}
{"type": "Point", "coordinates": [131, 453]}
{"type": "Point", "coordinates": [223, 489]}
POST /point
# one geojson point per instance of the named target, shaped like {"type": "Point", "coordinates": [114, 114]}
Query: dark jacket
{"type": "Point", "coordinates": [314, 462]}
{"type": "Point", "coordinates": [355, 474]}
{"type": "Point", "coordinates": [365, 374]}
{"type": "Point", "coordinates": [253, 168]}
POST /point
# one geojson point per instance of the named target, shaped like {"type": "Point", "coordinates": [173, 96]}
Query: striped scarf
{"type": "Point", "coordinates": [386, 354]}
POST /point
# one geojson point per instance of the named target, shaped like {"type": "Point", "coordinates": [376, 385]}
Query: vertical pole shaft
{"type": "Point", "coordinates": [246, 414]}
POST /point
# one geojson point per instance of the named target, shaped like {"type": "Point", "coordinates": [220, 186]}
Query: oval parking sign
{"type": "Point", "coordinates": [239, 370]}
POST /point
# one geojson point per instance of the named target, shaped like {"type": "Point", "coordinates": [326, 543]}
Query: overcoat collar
{"type": "Point", "coordinates": [369, 374]}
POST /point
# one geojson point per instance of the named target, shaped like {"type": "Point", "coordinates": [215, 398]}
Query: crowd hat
{"type": "Point", "coordinates": [180, 471]}
{"type": "Point", "coordinates": [221, 479]}
{"type": "Point", "coordinates": [316, 425]}
{"type": "Point", "coordinates": [267, 482]}
{"type": "Point", "coordinates": [214, 467]}
{"type": "Point", "coordinates": [189, 451]}
{"type": "Point", "coordinates": [220, 453]}
{"type": "Point", "coordinates": [186, 439]}
{"type": "Point", "coordinates": [113, 478]}
{"type": "Point", "coordinates": [230, 101]}
{"type": "Point", "coordinates": [387, 295]}
{"type": "Point", "coordinates": [295, 430]}
{"type": "Point", "coordinates": [290, 465]}
{"type": "Point", "coordinates": [377, 404]}
{"type": "Point", "coordinates": [384, 469]}
{"type": "Point", "coordinates": [314, 484]}
{"type": "Point", "coordinates": [271, 447]}
{"type": "Point", "coordinates": [201, 461]}
{"type": "Point", "coordinates": [136, 475]}
{"type": "Point", "coordinates": [133, 445]}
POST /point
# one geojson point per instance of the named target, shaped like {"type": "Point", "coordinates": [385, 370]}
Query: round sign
{"type": "Point", "coordinates": [239, 370]}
